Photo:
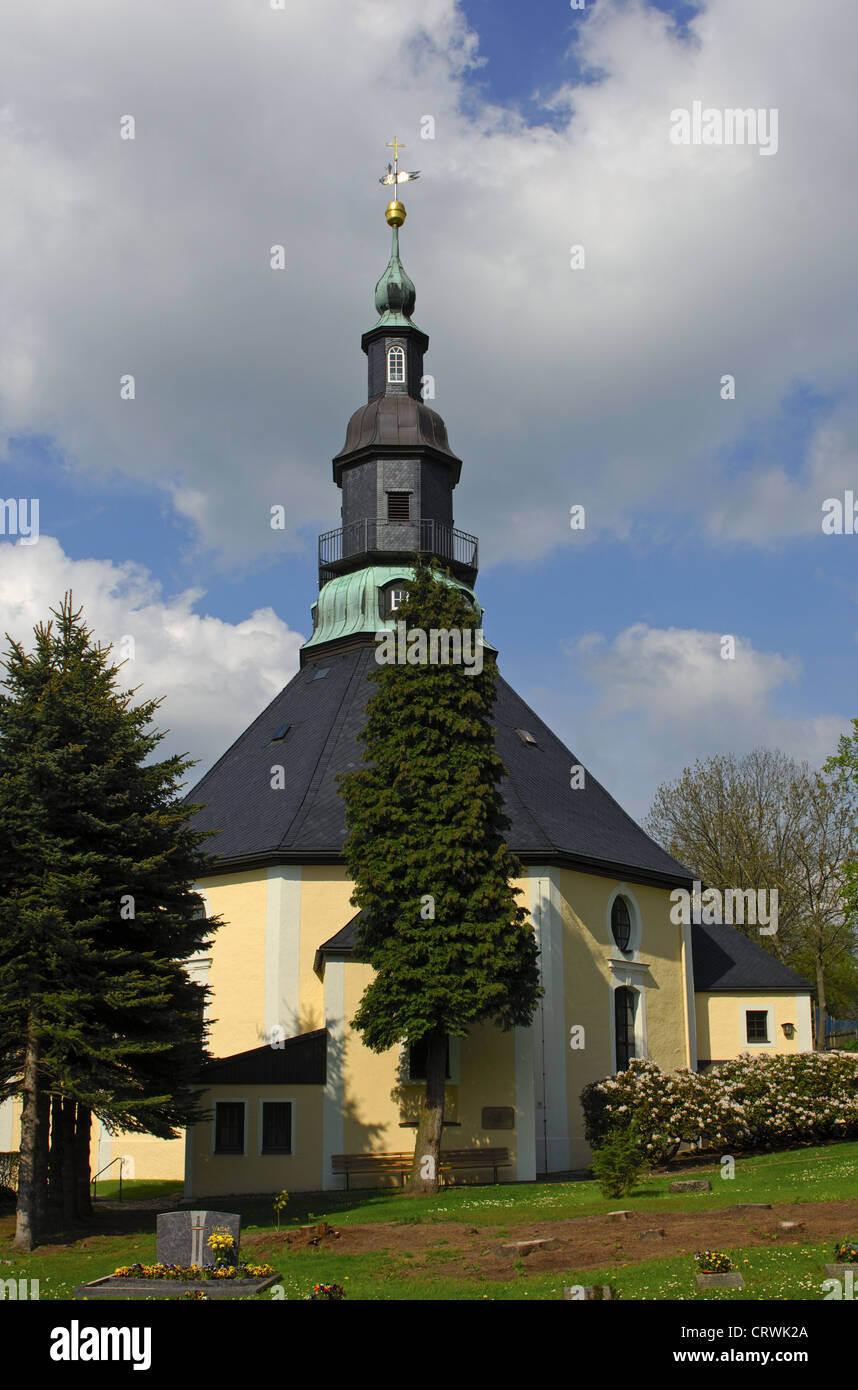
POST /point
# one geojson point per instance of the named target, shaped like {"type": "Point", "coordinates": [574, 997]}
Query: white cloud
{"type": "Point", "coordinates": [257, 127]}
{"type": "Point", "coordinates": [650, 701]}
{"type": "Point", "coordinates": [215, 676]}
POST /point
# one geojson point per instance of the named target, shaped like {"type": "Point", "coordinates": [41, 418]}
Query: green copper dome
{"type": "Point", "coordinates": [350, 605]}
{"type": "Point", "coordinates": [395, 295]}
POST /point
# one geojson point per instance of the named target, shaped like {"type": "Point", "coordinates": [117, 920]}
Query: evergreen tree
{"type": "Point", "coordinates": [97, 913]}
{"type": "Point", "coordinates": [449, 946]}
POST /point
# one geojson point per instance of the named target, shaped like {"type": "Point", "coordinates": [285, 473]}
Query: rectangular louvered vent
{"type": "Point", "coordinates": [399, 506]}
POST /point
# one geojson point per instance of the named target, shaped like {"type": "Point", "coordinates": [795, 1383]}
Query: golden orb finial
{"type": "Point", "coordinates": [395, 213]}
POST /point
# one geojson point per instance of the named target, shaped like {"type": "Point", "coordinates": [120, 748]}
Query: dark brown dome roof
{"type": "Point", "coordinates": [398, 421]}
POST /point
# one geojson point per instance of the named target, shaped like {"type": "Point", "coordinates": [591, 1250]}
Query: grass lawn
{"type": "Point", "coordinates": [791, 1270]}
{"type": "Point", "coordinates": [797, 1175]}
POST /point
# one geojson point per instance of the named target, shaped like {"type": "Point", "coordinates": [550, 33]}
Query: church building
{"type": "Point", "coordinates": [293, 1086]}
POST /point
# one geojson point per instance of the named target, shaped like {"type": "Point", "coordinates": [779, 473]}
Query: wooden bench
{"type": "Point", "coordinates": [395, 1163]}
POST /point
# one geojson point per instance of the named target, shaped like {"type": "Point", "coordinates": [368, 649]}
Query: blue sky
{"type": "Point", "coordinates": [603, 388]}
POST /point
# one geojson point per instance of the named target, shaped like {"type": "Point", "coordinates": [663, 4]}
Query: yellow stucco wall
{"type": "Point", "coordinates": [589, 978]}
{"type": "Point", "coordinates": [721, 1031]}
{"type": "Point", "coordinates": [366, 1101]}
{"type": "Point", "coordinates": [237, 974]}
{"type": "Point", "coordinates": [218, 1175]}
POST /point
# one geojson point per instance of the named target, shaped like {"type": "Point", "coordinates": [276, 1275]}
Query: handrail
{"type": "Point", "coordinates": [120, 1159]}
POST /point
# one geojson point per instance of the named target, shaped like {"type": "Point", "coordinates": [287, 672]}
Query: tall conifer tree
{"type": "Point", "coordinates": [449, 946]}
{"type": "Point", "coordinates": [97, 913]}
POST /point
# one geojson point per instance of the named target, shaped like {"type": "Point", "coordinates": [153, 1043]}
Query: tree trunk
{"type": "Point", "coordinates": [69, 1175]}
{"type": "Point", "coordinates": [81, 1161]}
{"type": "Point", "coordinates": [40, 1164]}
{"type": "Point", "coordinates": [823, 1010]}
{"type": "Point", "coordinates": [27, 1230]}
{"type": "Point", "coordinates": [55, 1159]}
{"type": "Point", "coordinates": [427, 1145]}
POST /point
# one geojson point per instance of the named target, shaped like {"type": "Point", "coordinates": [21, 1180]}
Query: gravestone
{"type": "Point", "coordinates": [694, 1185]}
{"type": "Point", "coordinates": [183, 1236]}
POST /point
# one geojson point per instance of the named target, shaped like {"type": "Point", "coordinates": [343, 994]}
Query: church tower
{"type": "Point", "coordinates": [396, 472]}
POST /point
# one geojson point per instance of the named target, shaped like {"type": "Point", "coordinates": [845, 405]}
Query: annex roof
{"type": "Point", "coordinates": [726, 959]}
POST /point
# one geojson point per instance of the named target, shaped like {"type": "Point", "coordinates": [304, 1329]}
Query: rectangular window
{"type": "Point", "coordinates": [229, 1127]}
{"type": "Point", "coordinates": [757, 1025]}
{"type": "Point", "coordinates": [417, 1060]}
{"type": "Point", "coordinates": [277, 1127]}
{"type": "Point", "coordinates": [624, 1019]}
{"type": "Point", "coordinates": [399, 506]}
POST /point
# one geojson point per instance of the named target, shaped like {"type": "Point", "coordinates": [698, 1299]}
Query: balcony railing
{"type": "Point", "coordinates": [368, 537]}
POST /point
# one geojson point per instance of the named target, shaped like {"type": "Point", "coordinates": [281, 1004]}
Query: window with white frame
{"type": "Point", "coordinates": [396, 366]}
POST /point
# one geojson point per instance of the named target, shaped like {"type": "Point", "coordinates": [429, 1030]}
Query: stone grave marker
{"type": "Point", "coordinates": [183, 1236]}
{"type": "Point", "coordinates": [694, 1185]}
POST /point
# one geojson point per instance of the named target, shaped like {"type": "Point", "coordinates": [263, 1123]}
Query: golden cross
{"type": "Point", "coordinates": [396, 145]}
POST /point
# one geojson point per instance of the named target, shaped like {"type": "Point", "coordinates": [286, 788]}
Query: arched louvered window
{"type": "Point", "coordinates": [621, 923]}
{"type": "Point", "coordinates": [396, 366]}
{"type": "Point", "coordinates": [624, 1021]}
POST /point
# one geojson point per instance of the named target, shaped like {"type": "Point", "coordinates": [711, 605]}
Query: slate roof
{"type": "Point", "coordinates": [726, 959]}
{"type": "Point", "coordinates": [301, 1061]}
{"type": "Point", "coordinates": [305, 821]}
{"type": "Point", "coordinates": [396, 421]}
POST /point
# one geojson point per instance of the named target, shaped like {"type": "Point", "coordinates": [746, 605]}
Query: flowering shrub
{"type": "Point", "coordinates": [218, 1271]}
{"type": "Point", "coordinates": [329, 1291]}
{"type": "Point", "coordinates": [846, 1252]}
{"type": "Point", "coordinates": [713, 1262]}
{"type": "Point", "coordinates": [749, 1102]}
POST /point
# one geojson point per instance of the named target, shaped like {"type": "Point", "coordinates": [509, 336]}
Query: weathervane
{"type": "Point", "coordinates": [395, 211]}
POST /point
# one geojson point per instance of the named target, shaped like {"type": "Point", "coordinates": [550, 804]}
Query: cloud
{"type": "Point", "coordinates": [257, 127]}
{"type": "Point", "coordinates": [650, 701]}
{"type": "Point", "coordinates": [214, 675]}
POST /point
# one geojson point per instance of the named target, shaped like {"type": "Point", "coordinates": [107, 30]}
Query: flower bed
{"type": "Point", "coordinates": [194, 1272]}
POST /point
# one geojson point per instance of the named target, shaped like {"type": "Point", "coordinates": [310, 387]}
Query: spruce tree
{"type": "Point", "coordinates": [449, 946]}
{"type": "Point", "coordinates": [97, 913]}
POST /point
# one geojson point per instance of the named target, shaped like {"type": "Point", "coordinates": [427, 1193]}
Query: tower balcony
{"type": "Point", "coordinates": [369, 542]}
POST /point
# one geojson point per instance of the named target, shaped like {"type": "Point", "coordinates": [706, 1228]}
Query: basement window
{"type": "Point", "coordinates": [399, 506]}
